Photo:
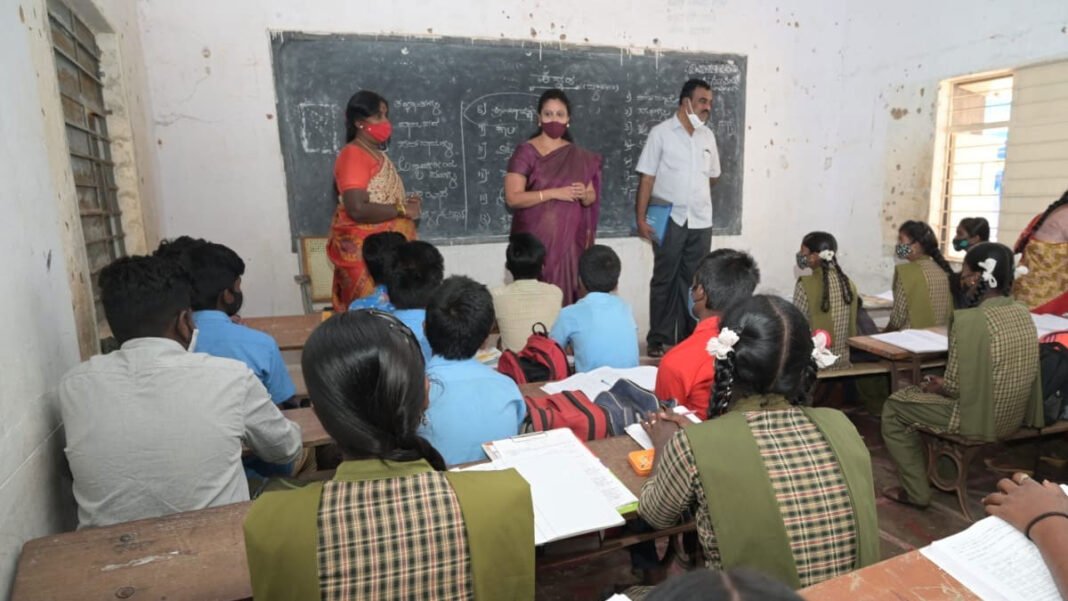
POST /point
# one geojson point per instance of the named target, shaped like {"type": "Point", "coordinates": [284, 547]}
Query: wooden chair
{"type": "Point", "coordinates": [316, 277]}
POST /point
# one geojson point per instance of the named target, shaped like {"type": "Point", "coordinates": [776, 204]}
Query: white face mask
{"type": "Point", "coordinates": [694, 119]}
{"type": "Point", "coordinates": [192, 348]}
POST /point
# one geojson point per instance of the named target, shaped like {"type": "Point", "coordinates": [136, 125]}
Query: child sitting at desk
{"type": "Point", "coordinates": [526, 301]}
{"type": "Point", "coordinates": [600, 328]}
{"type": "Point", "coordinates": [415, 273]}
{"type": "Point", "coordinates": [731, 471]}
{"type": "Point", "coordinates": [470, 403]}
{"type": "Point", "coordinates": [392, 524]}
{"type": "Point", "coordinates": [152, 428]}
{"type": "Point", "coordinates": [827, 297]}
{"type": "Point", "coordinates": [991, 385]}
{"type": "Point", "coordinates": [923, 296]}
{"type": "Point", "coordinates": [723, 278]}
{"type": "Point", "coordinates": [377, 255]}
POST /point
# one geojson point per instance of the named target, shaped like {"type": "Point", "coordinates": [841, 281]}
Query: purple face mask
{"type": "Point", "coordinates": [554, 129]}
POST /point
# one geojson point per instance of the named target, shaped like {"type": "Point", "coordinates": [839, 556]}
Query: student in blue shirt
{"type": "Point", "coordinates": [600, 328]}
{"type": "Point", "coordinates": [377, 255]}
{"type": "Point", "coordinates": [470, 403]}
{"type": "Point", "coordinates": [415, 273]}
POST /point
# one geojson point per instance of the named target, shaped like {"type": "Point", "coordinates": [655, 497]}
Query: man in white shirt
{"type": "Point", "coordinates": [525, 301]}
{"type": "Point", "coordinates": [679, 164]}
{"type": "Point", "coordinates": [153, 428]}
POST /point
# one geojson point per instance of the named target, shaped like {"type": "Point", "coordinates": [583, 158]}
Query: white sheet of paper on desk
{"type": "Point", "coordinates": [1049, 323]}
{"type": "Point", "coordinates": [640, 436]}
{"type": "Point", "coordinates": [916, 341]}
{"type": "Point", "coordinates": [594, 382]}
{"type": "Point", "coordinates": [996, 562]}
{"type": "Point", "coordinates": [619, 597]}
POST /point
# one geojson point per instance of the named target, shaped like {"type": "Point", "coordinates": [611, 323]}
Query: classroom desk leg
{"type": "Point", "coordinates": [894, 371]}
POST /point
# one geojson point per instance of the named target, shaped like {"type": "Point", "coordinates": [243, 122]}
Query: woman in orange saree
{"type": "Point", "coordinates": [371, 197]}
{"type": "Point", "coordinates": [1044, 245]}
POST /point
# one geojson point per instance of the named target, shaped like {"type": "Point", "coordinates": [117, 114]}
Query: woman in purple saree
{"type": "Point", "coordinates": [553, 188]}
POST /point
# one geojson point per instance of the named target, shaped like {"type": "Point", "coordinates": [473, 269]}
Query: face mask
{"type": "Point", "coordinates": [694, 119]}
{"type": "Point", "coordinates": [192, 348]}
{"type": "Point", "coordinates": [379, 132]}
{"type": "Point", "coordinates": [554, 129]}
{"type": "Point", "coordinates": [960, 244]}
{"type": "Point", "coordinates": [802, 260]}
{"type": "Point", "coordinates": [690, 304]}
{"type": "Point", "coordinates": [903, 250]}
{"type": "Point", "coordinates": [234, 307]}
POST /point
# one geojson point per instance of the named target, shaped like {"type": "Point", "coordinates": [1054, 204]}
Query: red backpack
{"type": "Point", "coordinates": [541, 360]}
{"type": "Point", "coordinates": [568, 409]}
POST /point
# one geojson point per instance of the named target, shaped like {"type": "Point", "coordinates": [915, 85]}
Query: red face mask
{"type": "Point", "coordinates": [554, 129]}
{"type": "Point", "coordinates": [379, 132]}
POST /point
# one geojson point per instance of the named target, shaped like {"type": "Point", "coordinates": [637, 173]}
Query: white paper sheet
{"type": "Point", "coordinates": [594, 382]}
{"type": "Point", "coordinates": [916, 341]}
{"type": "Point", "coordinates": [642, 438]}
{"type": "Point", "coordinates": [1049, 323]}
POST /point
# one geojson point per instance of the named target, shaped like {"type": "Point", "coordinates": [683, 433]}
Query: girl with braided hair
{"type": "Point", "coordinates": [991, 386]}
{"type": "Point", "coordinates": [923, 291]}
{"type": "Point", "coordinates": [827, 296]}
{"type": "Point", "coordinates": [731, 471]}
{"type": "Point", "coordinates": [1044, 245]}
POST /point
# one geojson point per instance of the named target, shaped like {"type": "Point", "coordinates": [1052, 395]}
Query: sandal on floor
{"type": "Point", "coordinates": [898, 495]}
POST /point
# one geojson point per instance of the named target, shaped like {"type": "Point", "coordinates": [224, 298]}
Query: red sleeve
{"type": "Point", "coordinates": [669, 384]}
{"type": "Point", "coordinates": [353, 169]}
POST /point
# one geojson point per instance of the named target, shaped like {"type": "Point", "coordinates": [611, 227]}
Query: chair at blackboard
{"type": "Point", "coordinates": [316, 272]}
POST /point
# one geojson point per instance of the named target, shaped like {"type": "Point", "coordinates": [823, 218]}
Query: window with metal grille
{"type": "Point", "coordinates": [82, 94]}
{"type": "Point", "coordinates": [976, 137]}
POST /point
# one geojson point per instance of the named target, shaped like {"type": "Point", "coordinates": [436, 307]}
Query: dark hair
{"type": "Point", "coordinates": [742, 584]}
{"type": "Point", "coordinates": [363, 105]}
{"type": "Point", "coordinates": [525, 256]}
{"type": "Point", "coordinates": [691, 85]}
{"type": "Point", "coordinates": [378, 253]}
{"type": "Point", "coordinates": [416, 272]}
{"type": "Point", "coordinates": [365, 375]}
{"type": "Point", "coordinates": [820, 241]}
{"type": "Point", "coordinates": [142, 295]}
{"type": "Point", "coordinates": [459, 318]}
{"type": "Point", "coordinates": [1004, 271]}
{"type": "Point", "coordinates": [599, 269]}
{"type": "Point", "coordinates": [728, 277]}
{"type": "Point", "coordinates": [976, 226]}
{"type": "Point", "coordinates": [773, 354]}
{"type": "Point", "coordinates": [1024, 239]}
{"type": "Point", "coordinates": [214, 268]}
{"type": "Point", "coordinates": [554, 94]}
{"type": "Point", "coordinates": [177, 249]}
{"type": "Point", "coordinates": [922, 234]}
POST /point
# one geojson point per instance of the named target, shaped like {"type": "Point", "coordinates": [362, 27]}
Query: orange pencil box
{"type": "Point", "coordinates": [641, 461]}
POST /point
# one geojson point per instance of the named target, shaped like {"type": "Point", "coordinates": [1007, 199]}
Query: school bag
{"type": "Point", "coordinates": [541, 360]}
{"type": "Point", "coordinates": [568, 409]}
{"type": "Point", "coordinates": [1053, 366]}
{"type": "Point", "coordinates": [626, 403]}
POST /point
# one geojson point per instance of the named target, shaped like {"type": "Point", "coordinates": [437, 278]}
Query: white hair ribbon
{"type": "Point", "coordinates": [987, 266]}
{"type": "Point", "coordinates": [820, 354]}
{"type": "Point", "coordinates": [827, 255]}
{"type": "Point", "coordinates": [1021, 270]}
{"type": "Point", "coordinates": [719, 346]}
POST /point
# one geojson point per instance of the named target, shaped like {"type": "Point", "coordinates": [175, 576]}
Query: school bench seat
{"type": "Point", "coordinates": [961, 452]}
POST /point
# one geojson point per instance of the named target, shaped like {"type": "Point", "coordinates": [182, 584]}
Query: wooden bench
{"type": "Point", "coordinates": [961, 451]}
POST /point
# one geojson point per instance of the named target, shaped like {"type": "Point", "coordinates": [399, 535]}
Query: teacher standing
{"type": "Point", "coordinates": [371, 196]}
{"type": "Point", "coordinates": [679, 164]}
{"type": "Point", "coordinates": [553, 187]}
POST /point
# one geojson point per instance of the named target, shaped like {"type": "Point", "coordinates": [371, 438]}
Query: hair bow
{"type": "Point", "coordinates": [987, 266]}
{"type": "Point", "coordinates": [1021, 270]}
{"type": "Point", "coordinates": [827, 255]}
{"type": "Point", "coordinates": [823, 357]}
{"type": "Point", "coordinates": [723, 344]}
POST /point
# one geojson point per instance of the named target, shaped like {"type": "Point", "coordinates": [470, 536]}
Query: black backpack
{"type": "Point", "coordinates": [1053, 363]}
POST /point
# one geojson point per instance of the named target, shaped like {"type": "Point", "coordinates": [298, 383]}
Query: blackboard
{"type": "Point", "coordinates": [459, 107]}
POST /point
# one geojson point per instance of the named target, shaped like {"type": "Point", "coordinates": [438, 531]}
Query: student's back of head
{"type": "Point", "coordinates": [177, 249]}
{"type": "Point", "coordinates": [599, 269]}
{"type": "Point", "coordinates": [713, 585]}
{"type": "Point", "coordinates": [459, 318]}
{"type": "Point", "coordinates": [215, 270]}
{"type": "Point", "coordinates": [773, 353]}
{"type": "Point", "coordinates": [727, 277]}
{"type": "Point", "coordinates": [378, 252]}
{"type": "Point", "coordinates": [416, 272]}
{"type": "Point", "coordinates": [366, 373]}
{"type": "Point", "coordinates": [146, 297]}
{"type": "Point", "coordinates": [823, 245]}
{"type": "Point", "coordinates": [525, 256]}
{"type": "Point", "coordinates": [979, 279]}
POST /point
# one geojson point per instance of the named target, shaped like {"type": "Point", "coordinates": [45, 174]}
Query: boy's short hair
{"type": "Point", "coordinates": [599, 269]}
{"type": "Point", "coordinates": [214, 268]}
{"type": "Point", "coordinates": [727, 276]}
{"type": "Point", "coordinates": [525, 256]}
{"type": "Point", "coordinates": [459, 318]}
{"type": "Point", "coordinates": [143, 295]}
{"type": "Point", "coordinates": [378, 253]}
{"type": "Point", "coordinates": [416, 272]}
{"type": "Point", "coordinates": [177, 249]}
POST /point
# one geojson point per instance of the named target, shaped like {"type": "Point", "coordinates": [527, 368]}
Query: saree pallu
{"type": "Point", "coordinates": [344, 247]}
{"type": "Point", "coordinates": [565, 228]}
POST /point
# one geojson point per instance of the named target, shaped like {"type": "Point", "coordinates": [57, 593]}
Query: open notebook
{"type": "Point", "coordinates": [916, 341]}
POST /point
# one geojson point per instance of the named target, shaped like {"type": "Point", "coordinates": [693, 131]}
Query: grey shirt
{"type": "Point", "coordinates": [153, 429]}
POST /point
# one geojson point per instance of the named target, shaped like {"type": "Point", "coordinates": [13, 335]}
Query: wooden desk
{"type": "Point", "coordinates": [908, 577]}
{"type": "Point", "coordinates": [899, 358]}
{"type": "Point", "coordinates": [311, 430]}
{"type": "Point", "coordinates": [297, 375]}
{"type": "Point", "coordinates": [289, 331]}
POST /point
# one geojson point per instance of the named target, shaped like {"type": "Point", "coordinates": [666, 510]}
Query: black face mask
{"type": "Point", "coordinates": [232, 308]}
{"type": "Point", "coordinates": [960, 244]}
{"type": "Point", "coordinates": [802, 261]}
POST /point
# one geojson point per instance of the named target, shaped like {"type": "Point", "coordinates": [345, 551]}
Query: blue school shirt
{"type": "Point", "coordinates": [378, 299]}
{"type": "Point", "coordinates": [221, 337]}
{"type": "Point", "coordinates": [470, 404]}
{"type": "Point", "coordinates": [601, 331]}
{"type": "Point", "coordinates": [414, 319]}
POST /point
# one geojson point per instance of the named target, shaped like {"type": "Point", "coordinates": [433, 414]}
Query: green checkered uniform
{"type": "Point", "coordinates": [992, 388]}
{"type": "Point", "coordinates": [841, 318]}
{"type": "Point", "coordinates": [937, 302]}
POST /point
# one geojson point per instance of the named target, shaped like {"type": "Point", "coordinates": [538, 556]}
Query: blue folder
{"type": "Point", "coordinates": [657, 215]}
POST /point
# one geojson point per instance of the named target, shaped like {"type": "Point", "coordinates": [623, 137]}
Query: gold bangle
{"type": "Point", "coordinates": [401, 211]}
